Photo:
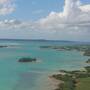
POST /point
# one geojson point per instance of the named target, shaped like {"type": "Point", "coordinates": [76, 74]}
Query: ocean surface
{"type": "Point", "coordinates": [33, 76]}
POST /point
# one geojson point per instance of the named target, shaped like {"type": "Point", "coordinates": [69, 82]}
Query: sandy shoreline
{"type": "Point", "coordinates": [53, 83]}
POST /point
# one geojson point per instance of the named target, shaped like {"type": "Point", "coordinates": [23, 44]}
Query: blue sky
{"type": "Point", "coordinates": [36, 9]}
{"type": "Point", "coordinates": [45, 19]}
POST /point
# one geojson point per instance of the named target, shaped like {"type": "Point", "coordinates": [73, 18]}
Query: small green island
{"type": "Point", "coordinates": [73, 80]}
{"type": "Point", "coordinates": [3, 46]}
{"type": "Point", "coordinates": [8, 46]}
{"type": "Point", "coordinates": [27, 59]}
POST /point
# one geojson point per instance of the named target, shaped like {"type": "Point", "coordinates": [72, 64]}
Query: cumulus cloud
{"type": "Point", "coordinates": [85, 8]}
{"type": "Point", "coordinates": [6, 7]}
{"type": "Point", "coordinates": [15, 24]}
{"type": "Point", "coordinates": [73, 13]}
{"type": "Point", "coordinates": [72, 23]}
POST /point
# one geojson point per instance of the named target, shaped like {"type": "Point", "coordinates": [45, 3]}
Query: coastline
{"type": "Point", "coordinates": [57, 81]}
{"type": "Point", "coordinates": [48, 82]}
{"type": "Point", "coordinates": [53, 83]}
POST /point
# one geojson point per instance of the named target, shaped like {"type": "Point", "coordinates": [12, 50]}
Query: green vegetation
{"type": "Point", "coordinates": [72, 79]}
{"type": "Point", "coordinates": [85, 48]}
{"type": "Point", "coordinates": [24, 60]}
{"type": "Point", "coordinates": [3, 46]}
{"type": "Point", "coordinates": [69, 82]}
{"type": "Point", "coordinates": [88, 68]}
{"type": "Point", "coordinates": [84, 84]}
{"type": "Point", "coordinates": [87, 53]}
{"type": "Point", "coordinates": [81, 48]}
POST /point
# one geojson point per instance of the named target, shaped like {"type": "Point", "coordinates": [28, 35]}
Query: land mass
{"type": "Point", "coordinates": [82, 48]}
{"type": "Point", "coordinates": [26, 59]}
{"type": "Point", "coordinates": [3, 46]}
{"type": "Point", "coordinates": [73, 80]}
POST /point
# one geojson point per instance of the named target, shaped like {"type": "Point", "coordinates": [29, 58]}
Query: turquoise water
{"type": "Point", "coordinates": [32, 76]}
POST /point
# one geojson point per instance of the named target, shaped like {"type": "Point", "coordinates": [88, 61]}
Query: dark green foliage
{"type": "Point", "coordinates": [80, 75]}
{"type": "Point", "coordinates": [88, 69]}
{"type": "Point", "coordinates": [69, 82]}
{"type": "Point", "coordinates": [27, 60]}
{"type": "Point", "coordinates": [87, 53]}
{"type": "Point", "coordinates": [85, 48]}
{"type": "Point", "coordinates": [71, 78]}
{"type": "Point", "coordinates": [3, 46]}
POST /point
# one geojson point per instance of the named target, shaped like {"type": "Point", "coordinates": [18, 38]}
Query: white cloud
{"type": "Point", "coordinates": [85, 8]}
{"type": "Point", "coordinates": [72, 23]}
{"type": "Point", "coordinates": [4, 1]}
{"type": "Point", "coordinates": [73, 13]}
{"type": "Point", "coordinates": [15, 24]}
{"type": "Point", "coordinates": [6, 7]}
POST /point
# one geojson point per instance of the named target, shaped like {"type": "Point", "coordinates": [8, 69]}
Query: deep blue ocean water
{"type": "Point", "coordinates": [32, 76]}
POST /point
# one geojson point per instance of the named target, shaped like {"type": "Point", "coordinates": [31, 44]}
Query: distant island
{"type": "Point", "coordinates": [45, 40]}
{"type": "Point", "coordinates": [27, 59]}
{"type": "Point", "coordinates": [3, 46]}
{"type": "Point", "coordinates": [81, 48]}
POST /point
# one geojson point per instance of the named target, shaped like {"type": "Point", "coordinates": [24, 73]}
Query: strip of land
{"type": "Point", "coordinates": [72, 80]}
{"type": "Point", "coordinates": [81, 48]}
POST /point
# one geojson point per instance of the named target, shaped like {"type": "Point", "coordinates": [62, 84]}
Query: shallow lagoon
{"type": "Point", "coordinates": [33, 76]}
